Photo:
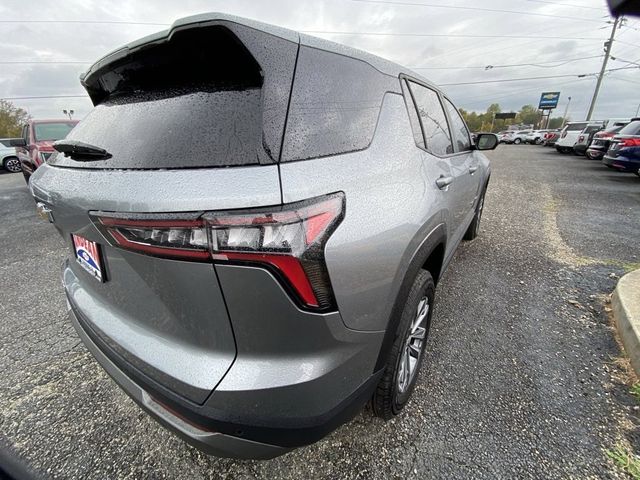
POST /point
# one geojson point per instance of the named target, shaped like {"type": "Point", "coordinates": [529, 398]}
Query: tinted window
{"type": "Point", "coordinates": [575, 126]}
{"type": "Point", "coordinates": [433, 120]}
{"type": "Point", "coordinates": [632, 129]}
{"type": "Point", "coordinates": [52, 131]}
{"type": "Point", "coordinates": [413, 116]}
{"type": "Point", "coordinates": [458, 128]}
{"type": "Point", "coordinates": [335, 105]}
{"type": "Point", "coordinates": [5, 143]}
{"type": "Point", "coordinates": [196, 129]}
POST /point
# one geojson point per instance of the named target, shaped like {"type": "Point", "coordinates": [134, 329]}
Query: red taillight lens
{"type": "Point", "coordinates": [288, 240]}
{"type": "Point", "coordinates": [630, 142]}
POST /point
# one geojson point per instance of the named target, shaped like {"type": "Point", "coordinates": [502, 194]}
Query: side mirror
{"type": "Point", "coordinates": [486, 141]}
{"type": "Point", "coordinates": [17, 142]}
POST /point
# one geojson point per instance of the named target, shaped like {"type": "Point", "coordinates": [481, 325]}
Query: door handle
{"type": "Point", "coordinates": [473, 169]}
{"type": "Point", "coordinates": [444, 182]}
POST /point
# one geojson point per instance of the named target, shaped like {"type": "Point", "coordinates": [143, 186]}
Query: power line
{"type": "Point", "coordinates": [531, 78]}
{"type": "Point", "coordinates": [459, 7]}
{"type": "Point", "coordinates": [564, 4]}
{"type": "Point", "coordinates": [491, 67]}
{"type": "Point", "coordinates": [446, 35]}
{"type": "Point", "coordinates": [92, 22]}
{"type": "Point", "coordinates": [36, 97]}
{"type": "Point", "coordinates": [47, 62]}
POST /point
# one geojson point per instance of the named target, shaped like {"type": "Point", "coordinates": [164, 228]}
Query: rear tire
{"type": "Point", "coordinates": [12, 164]}
{"type": "Point", "coordinates": [403, 365]}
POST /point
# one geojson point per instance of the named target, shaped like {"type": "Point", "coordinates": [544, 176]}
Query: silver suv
{"type": "Point", "coordinates": [257, 220]}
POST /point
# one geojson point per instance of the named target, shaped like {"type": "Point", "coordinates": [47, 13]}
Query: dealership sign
{"type": "Point", "coordinates": [549, 100]}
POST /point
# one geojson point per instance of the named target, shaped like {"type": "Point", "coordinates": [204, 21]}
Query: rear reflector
{"type": "Point", "coordinates": [288, 240]}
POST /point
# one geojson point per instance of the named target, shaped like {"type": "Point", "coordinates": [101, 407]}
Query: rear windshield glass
{"type": "Point", "coordinates": [194, 101]}
{"type": "Point", "coordinates": [632, 129]}
{"type": "Point", "coordinates": [575, 126]}
{"type": "Point", "coordinates": [197, 129]}
{"type": "Point", "coordinates": [52, 131]}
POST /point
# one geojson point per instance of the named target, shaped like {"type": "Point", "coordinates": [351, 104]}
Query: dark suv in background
{"type": "Point", "coordinates": [257, 221]}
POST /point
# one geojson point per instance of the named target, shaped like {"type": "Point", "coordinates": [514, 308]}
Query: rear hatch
{"type": "Point", "coordinates": [191, 120]}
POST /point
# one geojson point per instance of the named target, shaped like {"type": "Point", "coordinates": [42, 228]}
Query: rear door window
{"type": "Point", "coordinates": [458, 128]}
{"type": "Point", "coordinates": [575, 127]}
{"type": "Point", "coordinates": [432, 119]}
{"type": "Point", "coordinates": [51, 131]}
{"type": "Point", "coordinates": [632, 129]}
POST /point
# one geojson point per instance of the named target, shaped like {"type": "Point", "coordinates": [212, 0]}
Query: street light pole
{"type": "Point", "coordinates": [566, 110]}
{"type": "Point", "coordinates": [607, 52]}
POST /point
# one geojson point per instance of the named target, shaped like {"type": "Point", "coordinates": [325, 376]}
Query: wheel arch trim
{"type": "Point", "coordinates": [434, 239]}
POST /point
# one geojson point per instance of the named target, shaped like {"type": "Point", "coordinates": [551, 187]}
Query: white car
{"type": "Point", "coordinates": [517, 137]}
{"type": "Point", "coordinates": [535, 137]}
{"type": "Point", "coordinates": [8, 157]}
{"type": "Point", "coordinates": [571, 133]}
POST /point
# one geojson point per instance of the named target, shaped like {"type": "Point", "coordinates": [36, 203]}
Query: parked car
{"type": "Point", "coordinates": [36, 144]}
{"type": "Point", "coordinates": [570, 134]}
{"type": "Point", "coordinates": [259, 315]}
{"type": "Point", "coordinates": [535, 137]}
{"type": "Point", "coordinates": [8, 158]}
{"type": "Point", "coordinates": [549, 138]}
{"type": "Point", "coordinates": [585, 138]}
{"type": "Point", "coordinates": [600, 143]}
{"type": "Point", "coordinates": [624, 150]}
{"type": "Point", "coordinates": [503, 134]}
{"type": "Point", "coordinates": [517, 137]}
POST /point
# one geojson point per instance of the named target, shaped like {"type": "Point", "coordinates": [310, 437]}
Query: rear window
{"type": "Point", "coordinates": [197, 129]}
{"type": "Point", "coordinates": [52, 131]}
{"type": "Point", "coordinates": [632, 129]}
{"type": "Point", "coordinates": [195, 101]}
{"type": "Point", "coordinates": [335, 105]}
{"type": "Point", "coordinates": [575, 127]}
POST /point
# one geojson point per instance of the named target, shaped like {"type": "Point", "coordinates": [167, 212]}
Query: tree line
{"type": "Point", "coordinates": [528, 115]}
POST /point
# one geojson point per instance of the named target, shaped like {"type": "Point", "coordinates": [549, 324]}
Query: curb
{"type": "Point", "coordinates": [625, 303]}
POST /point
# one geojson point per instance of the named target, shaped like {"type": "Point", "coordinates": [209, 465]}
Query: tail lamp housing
{"type": "Point", "coordinates": [630, 142]}
{"type": "Point", "coordinates": [287, 240]}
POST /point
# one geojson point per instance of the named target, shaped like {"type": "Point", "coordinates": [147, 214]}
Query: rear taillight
{"type": "Point", "coordinates": [288, 240]}
{"type": "Point", "coordinates": [630, 142]}
{"type": "Point", "coordinates": [581, 138]}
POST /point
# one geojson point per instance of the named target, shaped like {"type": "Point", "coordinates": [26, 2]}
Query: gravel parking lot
{"type": "Point", "coordinates": [521, 378]}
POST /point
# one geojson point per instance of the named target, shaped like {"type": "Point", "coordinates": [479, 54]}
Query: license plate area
{"type": "Point", "coordinates": [87, 254]}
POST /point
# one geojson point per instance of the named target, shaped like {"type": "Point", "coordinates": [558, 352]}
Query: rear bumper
{"type": "Point", "coordinates": [622, 163]}
{"type": "Point", "coordinates": [211, 434]}
{"type": "Point", "coordinates": [595, 153]}
{"type": "Point", "coordinates": [211, 442]}
{"type": "Point", "coordinates": [580, 149]}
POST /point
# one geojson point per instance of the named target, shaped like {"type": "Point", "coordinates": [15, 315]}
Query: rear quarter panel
{"type": "Point", "coordinates": [391, 205]}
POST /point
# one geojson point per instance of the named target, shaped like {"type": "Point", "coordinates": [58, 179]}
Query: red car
{"type": "Point", "coordinates": [35, 146]}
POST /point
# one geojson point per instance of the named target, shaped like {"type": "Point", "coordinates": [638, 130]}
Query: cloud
{"type": "Point", "coordinates": [88, 42]}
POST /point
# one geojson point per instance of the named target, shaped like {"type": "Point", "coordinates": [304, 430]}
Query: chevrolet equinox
{"type": "Point", "coordinates": [256, 221]}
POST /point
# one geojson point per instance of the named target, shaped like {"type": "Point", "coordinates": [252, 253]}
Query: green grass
{"type": "Point", "coordinates": [626, 460]}
{"type": "Point", "coordinates": [635, 390]}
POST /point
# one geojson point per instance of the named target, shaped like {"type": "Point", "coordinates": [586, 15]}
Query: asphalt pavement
{"type": "Point", "coordinates": [521, 379]}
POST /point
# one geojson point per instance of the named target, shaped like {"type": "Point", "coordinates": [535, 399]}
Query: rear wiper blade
{"type": "Point", "coordinates": [80, 150]}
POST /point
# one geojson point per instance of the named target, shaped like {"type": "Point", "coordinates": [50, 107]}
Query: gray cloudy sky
{"type": "Point", "coordinates": [581, 23]}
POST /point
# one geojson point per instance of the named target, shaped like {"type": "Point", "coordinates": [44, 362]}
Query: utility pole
{"type": "Point", "coordinates": [607, 52]}
{"type": "Point", "coordinates": [566, 110]}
